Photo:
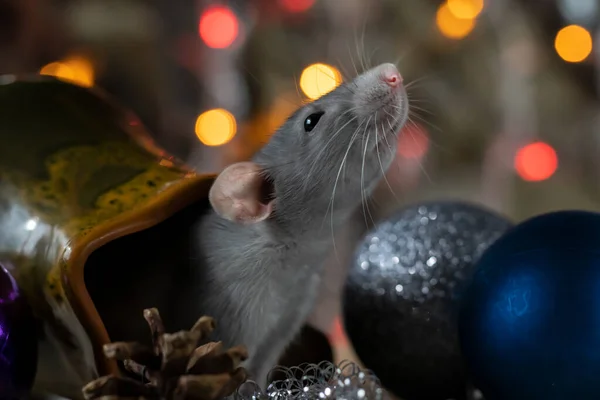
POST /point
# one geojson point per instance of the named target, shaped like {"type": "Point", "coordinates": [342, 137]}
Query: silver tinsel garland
{"type": "Point", "coordinates": [317, 381]}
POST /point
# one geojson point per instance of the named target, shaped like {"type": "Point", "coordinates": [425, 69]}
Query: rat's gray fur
{"type": "Point", "coordinates": [261, 279]}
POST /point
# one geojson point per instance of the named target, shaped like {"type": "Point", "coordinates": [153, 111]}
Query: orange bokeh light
{"type": "Point", "coordinates": [413, 142]}
{"type": "Point", "coordinates": [466, 9]}
{"type": "Point", "coordinates": [450, 25]}
{"type": "Point", "coordinates": [573, 43]}
{"type": "Point", "coordinates": [536, 162]}
{"type": "Point", "coordinates": [75, 69]}
{"type": "Point", "coordinates": [297, 6]}
{"type": "Point", "coordinates": [218, 27]}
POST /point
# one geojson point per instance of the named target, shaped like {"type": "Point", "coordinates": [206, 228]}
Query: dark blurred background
{"type": "Point", "coordinates": [504, 95]}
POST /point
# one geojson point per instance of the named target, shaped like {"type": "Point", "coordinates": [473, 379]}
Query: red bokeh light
{"type": "Point", "coordinates": [297, 6]}
{"type": "Point", "coordinates": [536, 162]}
{"type": "Point", "coordinates": [337, 336]}
{"type": "Point", "coordinates": [413, 141]}
{"type": "Point", "coordinates": [218, 27]}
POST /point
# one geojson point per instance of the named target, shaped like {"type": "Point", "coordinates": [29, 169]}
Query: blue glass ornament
{"type": "Point", "coordinates": [18, 340]}
{"type": "Point", "coordinates": [529, 323]}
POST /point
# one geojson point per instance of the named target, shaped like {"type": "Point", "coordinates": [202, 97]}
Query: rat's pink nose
{"type": "Point", "coordinates": [390, 75]}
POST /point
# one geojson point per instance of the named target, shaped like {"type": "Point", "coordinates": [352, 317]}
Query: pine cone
{"type": "Point", "coordinates": [175, 369]}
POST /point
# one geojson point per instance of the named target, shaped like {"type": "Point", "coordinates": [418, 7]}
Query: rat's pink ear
{"type": "Point", "coordinates": [238, 194]}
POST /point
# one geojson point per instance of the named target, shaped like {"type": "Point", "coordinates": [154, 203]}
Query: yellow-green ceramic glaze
{"type": "Point", "coordinates": [75, 172]}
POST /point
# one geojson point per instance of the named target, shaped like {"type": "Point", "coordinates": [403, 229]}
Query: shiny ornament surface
{"type": "Point", "coordinates": [530, 320]}
{"type": "Point", "coordinates": [344, 381]}
{"type": "Point", "coordinates": [401, 297]}
{"type": "Point", "coordinates": [18, 339]}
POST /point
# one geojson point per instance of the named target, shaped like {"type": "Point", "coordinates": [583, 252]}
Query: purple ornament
{"type": "Point", "coordinates": [18, 339]}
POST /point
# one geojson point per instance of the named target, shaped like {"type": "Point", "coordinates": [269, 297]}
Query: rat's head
{"type": "Point", "coordinates": [329, 153]}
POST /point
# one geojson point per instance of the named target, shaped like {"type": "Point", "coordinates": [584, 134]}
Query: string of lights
{"type": "Point", "coordinates": [221, 29]}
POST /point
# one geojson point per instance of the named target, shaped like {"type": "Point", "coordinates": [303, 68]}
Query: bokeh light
{"type": "Point", "coordinates": [536, 162]}
{"type": "Point", "coordinates": [215, 127]}
{"type": "Point", "coordinates": [465, 9]}
{"type": "Point", "coordinates": [319, 79]}
{"type": "Point", "coordinates": [218, 27]}
{"type": "Point", "coordinates": [76, 70]}
{"type": "Point", "coordinates": [573, 43]}
{"type": "Point", "coordinates": [297, 6]}
{"type": "Point", "coordinates": [584, 12]}
{"type": "Point", "coordinates": [337, 334]}
{"type": "Point", "coordinates": [450, 25]}
{"type": "Point", "coordinates": [413, 141]}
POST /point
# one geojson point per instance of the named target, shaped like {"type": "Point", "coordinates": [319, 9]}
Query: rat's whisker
{"type": "Point", "coordinates": [419, 101]}
{"type": "Point", "coordinates": [329, 74]}
{"type": "Point", "coordinates": [352, 59]}
{"type": "Point", "coordinates": [413, 107]}
{"type": "Point", "coordinates": [363, 192]}
{"type": "Point", "coordinates": [332, 138]}
{"type": "Point", "coordinates": [396, 119]}
{"type": "Point", "coordinates": [360, 45]}
{"type": "Point", "coordinates": [300, 96]}
{"type": "Point", "coordinates": [431, 141]}
{"type": "Point", "coordinates": [344, 169]}
{"type": "Point", "coordinates": [391, 128]}
{"type": "Point", "coordinates": [419, 80]}
{"type": "Point", "coordinates": [401, 56]}
{"type": "Point", "coordinates": [423, 120]}
{"type": "Point", "coordinates": [421, 166]}
{"type": "Point", "coordinates": [345, 75]}
{"type": "Point", "coordinates": [412, 113]}
{"type": "Point", "coordinates": [383, 172]}
{"type": "Point", "coordinates": [325, 147]}
{"type": "Point", "coordinates": [331, 203]}
{"type": "Point", "coordinates": [362, 39]}
{"type": "Point", "coordinates": [370, 59]}
{"type": "Point", "coordinates": [359, 54]}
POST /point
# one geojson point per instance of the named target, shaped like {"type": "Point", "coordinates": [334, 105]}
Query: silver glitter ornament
{"type": "Point", "coordinates": [345, 381]}
{"type": "Point", "coordinates": [401, 296]}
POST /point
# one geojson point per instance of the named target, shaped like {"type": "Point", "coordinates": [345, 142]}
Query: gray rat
{"type": "Point", "coordinates": [273, 219]}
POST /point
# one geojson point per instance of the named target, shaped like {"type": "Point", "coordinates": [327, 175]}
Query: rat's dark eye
{"type": "Point", "coordinates": [312, 120]}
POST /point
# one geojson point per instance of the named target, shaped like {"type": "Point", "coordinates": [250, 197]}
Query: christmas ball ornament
{"type": "Point", "coordinates": [18, 341]}
{"type": "Point", "coordinates": [401, 296]}
{"type": "Point", "coordinates": [530, 320]}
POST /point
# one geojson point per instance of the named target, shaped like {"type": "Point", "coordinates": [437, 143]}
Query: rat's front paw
{"type": "Point", "coordinates": [176, 368]}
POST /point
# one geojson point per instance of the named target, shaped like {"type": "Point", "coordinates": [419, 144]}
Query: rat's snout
{"type": "Point", "coordinates": [380, 97]}
{"type": "Point", "coordinates": [390, 75]}
{"type": "Point", "coordinates": [379, 87]}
